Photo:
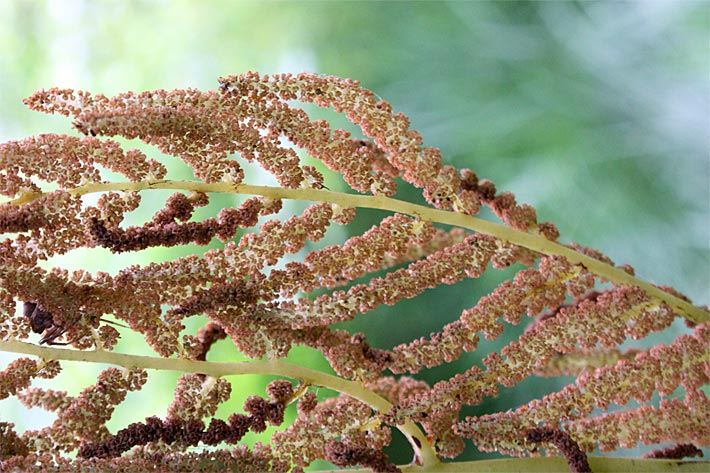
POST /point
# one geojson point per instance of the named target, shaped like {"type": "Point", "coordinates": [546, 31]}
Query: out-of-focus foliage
{"type": "Point", "coordinates": [596, 113]}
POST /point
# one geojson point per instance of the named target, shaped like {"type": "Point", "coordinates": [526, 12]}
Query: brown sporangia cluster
{"type": "Point", "coordinates": [164, 231]}
{"type": "Point", "coordinates": [19, 373]}
{"type": "Point", "coordinates": [190, 432]}
{"type": "Point", "coordinates": [562, 441]}
{"type": "Point", "coordinates": [41, 321]}
{"type": "Point", "coordinates": [271, 283]}
{"type": "Point", "coordinates": [238, 293]}
{"type": "Point", "coordinates": [676, 452]}
{"type": "Point", "coordinates": [21, 219]}
{"type": "Point", "coordinates": [11, 444]}
{"type": "Point", "coordinates": [207, 336]}
{"type": "Point", "coordinates": [342, 454]}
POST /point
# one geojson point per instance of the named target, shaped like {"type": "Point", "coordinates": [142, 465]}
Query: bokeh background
{"type": "Point", "coordinates": [597, 113]}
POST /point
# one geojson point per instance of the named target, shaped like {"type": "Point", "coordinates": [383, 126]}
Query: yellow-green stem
{"type": "Point", "coordinates": [531, 241]}
{"type": "Point", "coordinates": [422, 448]}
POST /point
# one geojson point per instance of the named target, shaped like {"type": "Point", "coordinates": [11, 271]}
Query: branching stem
{"type": "Point", "coordinates": [422, 448]}
{"type": "Point", "coordinates": [424, 452]}
{"type": "Point", "coordinates": [535, 242]}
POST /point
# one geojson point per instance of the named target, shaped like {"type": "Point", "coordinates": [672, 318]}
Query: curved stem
{"type": "Point", "coordinates": [422, 448]}
{"type": "Point", "coordinates": [531, 241]}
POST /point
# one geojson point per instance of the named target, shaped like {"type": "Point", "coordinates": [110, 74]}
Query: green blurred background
{"type": "Point", "coordinates": [595, 113]}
